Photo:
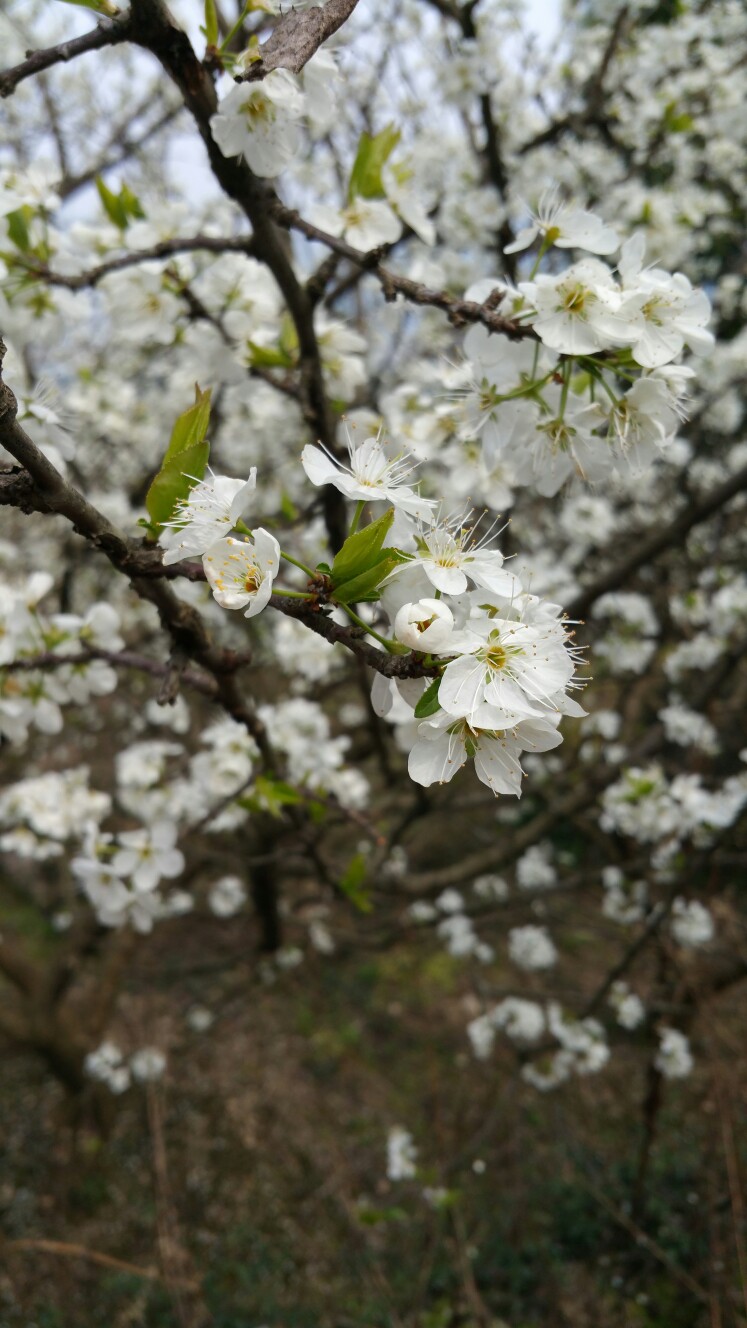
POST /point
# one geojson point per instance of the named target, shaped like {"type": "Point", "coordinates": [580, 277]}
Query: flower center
{"type": "Point", "coordinates": [257, 108]}
{"type": "Point", "coordinates": [651, 309]}
{"type": "Point", "coordinates": [575, 300]}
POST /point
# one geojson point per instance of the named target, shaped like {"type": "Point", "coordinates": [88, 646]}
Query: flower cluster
{"type": "Point", "coordinates": [501, 659]}
{"type": "Point", "coordinates": [573, 400]}
{"type": "Point", "coordinates": [108, 1065]}
{"type": "Point", "coordinates": [33, 697]}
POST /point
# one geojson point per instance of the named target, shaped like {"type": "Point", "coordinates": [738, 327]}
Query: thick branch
{"type": "Point", "coordinates": [182, 622]}
{"type": "Point", "coordinates": [147, 574]}
{"type": "Point", "coordinates": [297, 37]}
{"type": "Point", "coordinates": [153, 28]}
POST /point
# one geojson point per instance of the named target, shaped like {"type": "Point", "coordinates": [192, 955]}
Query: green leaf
{"type": "Point", "coordinates": [676, 122]}
{"type": "Point", "coordinates": [372, 1217]}
{"type": "Point", "coordinates": [211, 23]}
{"type": "Point", "coordinates": [366, 583]}
{"type": "Point", "coordinates": [288, 508]}
{"type": "Point", "coordinates": [269, 357]}
{"type": "Point", "coordinates": [373, 152]}
{"type": "Point", "coordinates": [113, 205]}
{"type": "Point", "coordinates": [122, 207]}
{"type": "Point", "coordinates": [18, 227]}
{"type": "Point", "coordinates": [131, 203]}
{"type": "Point", "coordinates": [98, 6]}
{"type": "Point", "coordinates": [361, 550]}
{"type": "Point", "coordinates": [174, 481]}
{"type": "Point", "coordinates": [271, 795]}
{"type": "Point", "coordinates": [428, 703]}
{"type": "Point", "coordinates": [184, 463]}
{"type": "Point", "coordinates": [352, 883]}
{"type": "Point", "coordinates": [191, 426]}
{"type": "Point", "coordinates": [289, 338]}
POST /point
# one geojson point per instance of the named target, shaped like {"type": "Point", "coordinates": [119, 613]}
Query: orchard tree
{"type": "Point", "coordinates": [374, 475]}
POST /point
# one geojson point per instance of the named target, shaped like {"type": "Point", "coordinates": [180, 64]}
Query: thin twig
{"type": "Point", "coordinates": [72, 1251]}
{"type": "Point", "coordinates": [106, 33]}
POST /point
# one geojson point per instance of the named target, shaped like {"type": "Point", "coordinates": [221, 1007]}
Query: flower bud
{"type": "Point", "coordinates": [427, 625]}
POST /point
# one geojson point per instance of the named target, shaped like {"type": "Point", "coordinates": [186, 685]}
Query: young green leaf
{"type": "Point", "coordinates": [113, 205]}
{"type": "Point", "coordinates": [270, 795]}
{"type": "Point", "coordinates": [269, 357]}
{"type": "Point", "coordinates": [366, 583]}
{"type": "Point", "coordinates": [18, 227]}
{"type": "Point", "coordinates": [373, 152]}
{"type": "Point", "coordinates": [361, 550]}
{"type": "Point", "coordinates": [122, 207]}
{"type": "Point", "coordinates": [352, 883]}
{"type": "Point", "coordinates": [174, 481]}
{"type": "Point", "coordinates": [191, 426]}
{"type": "Point", "coordinates": [98, 6]}
{"type": "Point", "coordinates": [131, 203]}
{"type": "Point", "coordinates": [428, 703]}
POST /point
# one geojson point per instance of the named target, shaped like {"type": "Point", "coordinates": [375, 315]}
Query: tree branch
{"type": "Point", "coordinates": [125, 659]}
{"type": "Point", "coordinates": [106, 33]}
{"type": "Point", "coordinates": [153, 29]}
{"type": "Point", "coordinates": [165, 249]}
{"type": "Point", "coordinates": [648, 545]}
{"type": "Point", "coordinates": [297, 37]}
{"type": "Point", "coordinates": [392, 284]}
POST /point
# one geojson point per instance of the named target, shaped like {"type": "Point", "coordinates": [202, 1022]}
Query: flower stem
{"type": "Point", "coordinates": [244, 12]}
{"type": "Point", "coordinates": [526, 390]}
{"type": "Point", "coordinates": [393, 647]}
{"type": "Point", "coordinates": [290, 559]}
{"type": "Point", "coordinates": [546, 244]}
{"type": "Point", "coordinates": [291, 594]}
{"type": "Point", "coordinates": [358, 513]}
{"type": "Point", "coordinates": [567, 368]}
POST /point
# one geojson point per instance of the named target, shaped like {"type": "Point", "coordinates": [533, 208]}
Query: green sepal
{"type": "Point", "coordinates": [428, 703]}
{"type": "Point", "coordinates": [361, 550]}
{"type": "Point", "coordinates": [352, 883]}
{"type": "Point", "coordinates": [373, 152]}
